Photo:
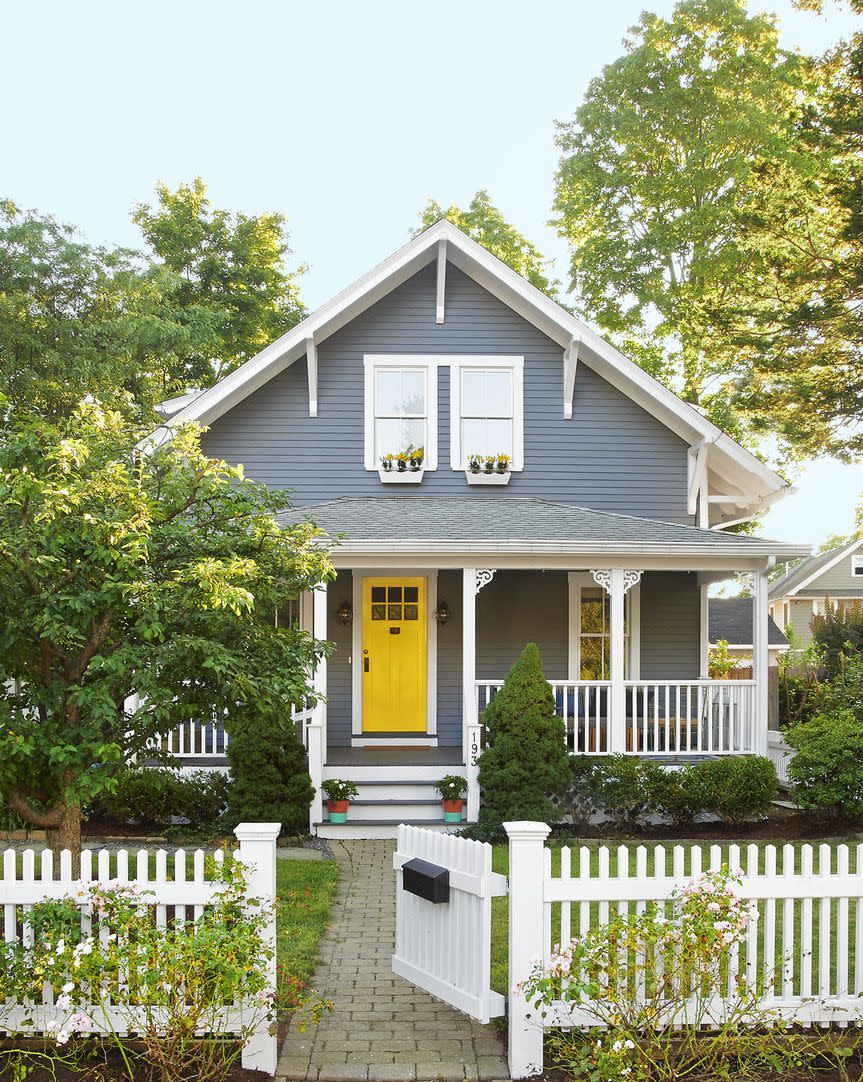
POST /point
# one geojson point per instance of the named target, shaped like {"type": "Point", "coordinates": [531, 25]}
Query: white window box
{"type": "Point", "coordinates": [484, 478]}
{"type": "Point", "coordinates": [401, 477]}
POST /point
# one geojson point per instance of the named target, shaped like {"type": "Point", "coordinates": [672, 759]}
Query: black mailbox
{"type": "Point", "coordinates": [426, 880]}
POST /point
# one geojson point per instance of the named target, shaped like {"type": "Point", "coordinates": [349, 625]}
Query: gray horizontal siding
{"type": "Point", "coordinates": [670, 625]}
{"type": "Point", "coordinates": [518, 607]}
{"type": "Point", "coordinates": [612, 455]}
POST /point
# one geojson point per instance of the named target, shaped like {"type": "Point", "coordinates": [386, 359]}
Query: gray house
{"type": "Point", "coordinates": [495, 473]}
{"type": "Point", "coordinates": [834, 578]}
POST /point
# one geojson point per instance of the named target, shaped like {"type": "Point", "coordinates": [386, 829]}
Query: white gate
{"type": "Point", "coordinates": [445, 948]}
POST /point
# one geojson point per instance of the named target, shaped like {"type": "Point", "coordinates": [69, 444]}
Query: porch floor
{"type": "Point", "coordinates": [398, 756]}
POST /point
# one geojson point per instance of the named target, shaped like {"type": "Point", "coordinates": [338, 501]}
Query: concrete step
{"type": "Point", "coordinates": [401, 773]}
{"type": "Point", "coordinates": [362, 829]}
{"type": "Point", "coordinates": [381, 789]}
{"type": "Point", "coordinates": [394, 810]}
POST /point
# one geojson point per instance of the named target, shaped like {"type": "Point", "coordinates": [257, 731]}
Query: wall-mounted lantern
{"type": "Point", "coordinates": [345, 612]}
{"type": "Point", "coordinates": [441, 613]}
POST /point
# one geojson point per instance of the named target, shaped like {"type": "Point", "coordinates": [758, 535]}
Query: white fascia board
{"type": "Point", "coordinates": [840, 555]}
{"type": "Point", "coordinates": [757, 550]}
{"type": "Point", "coordinates": [500, 280]}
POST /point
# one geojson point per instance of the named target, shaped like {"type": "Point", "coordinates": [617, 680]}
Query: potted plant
{"type": "Point", "coordinates": [474, 463]}
{"type": "Point", "coordinates": [415, 457]}
{"type": "Point", "coordinates": [387, 462]}
{"type": "Point", "coordinates": [502, 464]}
{"type": "Point", "coordinates": [489, 463]}
{"type": "Point", "coordinates": [452, 789]}
{"type": "Point", "coordinates": [339, 792]}
{"type": "Point", "coordinates": [401, 461]}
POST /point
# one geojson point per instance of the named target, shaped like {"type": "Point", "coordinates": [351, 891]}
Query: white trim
{"type": "Point", "coordinates": [371, 363]}
{"type": "Point", "coordinates": [570, 366]}
{"type": "Point", "coordinates": [704, 631]}
{"type": "Point", "coordinates": [846, 550]}
{"type": "Point", "coordinates": [359, 574]}
{"type": "Point", "coordinates": [312, 372]}
{"type": "Point", "coordinates": [731, 460]}
{"type": "Point", "coordinates": [856, 562]}
{"type": "Point", "coordinates": [457, 456]}
{"type": "Point", "coordinates": [440, 290]}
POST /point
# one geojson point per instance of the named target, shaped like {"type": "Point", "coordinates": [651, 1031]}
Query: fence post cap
{"type": "Point", "coordinates": [527, 829]}
{"type": "Point", "coordinates": [257, 832]}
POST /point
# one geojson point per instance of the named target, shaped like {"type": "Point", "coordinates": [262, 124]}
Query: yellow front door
{"type": "Point", "coordinates": [394, 655]}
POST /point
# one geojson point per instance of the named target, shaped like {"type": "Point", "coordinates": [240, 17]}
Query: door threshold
{"type": "Point", "coordinates": [394, 741]}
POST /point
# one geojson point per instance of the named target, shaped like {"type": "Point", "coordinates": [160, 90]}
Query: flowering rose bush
{"type": "Point", "coordinates": [664, 987]}
{"type": "Point", "coordinates": [112, 968]}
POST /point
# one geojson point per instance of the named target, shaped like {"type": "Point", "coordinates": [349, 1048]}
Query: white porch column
{"type": "Point", "coordinates": [470, 731]}
{"type": "Point", "coordinates": [760, 661]}
{"type": "Point", "coordinates": [318, 724]}
{"type": "Point", "coordinates": [616, 582]}
{"type": "Point", "coordinates": [704, 631]}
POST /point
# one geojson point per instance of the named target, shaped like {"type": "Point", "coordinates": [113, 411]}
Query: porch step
{"type": "Point", "coordinates": [396, 810]}
{"type": "Point", "coordinates": [363, 829]}
{"type": "Point", "coordinates": [373, 773]}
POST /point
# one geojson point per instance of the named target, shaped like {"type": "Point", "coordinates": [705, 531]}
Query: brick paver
{"type": "Point", "coordinates": [381, 1028]}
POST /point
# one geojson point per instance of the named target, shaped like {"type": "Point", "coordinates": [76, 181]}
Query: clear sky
{"type": "Point", "coordinates": [345, 116]}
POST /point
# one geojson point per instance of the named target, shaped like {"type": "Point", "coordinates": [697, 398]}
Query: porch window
{"type": "Point", "coordinates": [486, 409]}
{"type": "Point", "coordinates": [400, 408]}
{"type": "Point", "coordinates": [594, 637]}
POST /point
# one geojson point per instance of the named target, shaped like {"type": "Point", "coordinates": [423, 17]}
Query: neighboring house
{"type": "Point", "coordinates": [599, 542]}
{"type": "Point", "coordinates": [834, 577]}
{"type": "Point", "coordinates": [730, 621]}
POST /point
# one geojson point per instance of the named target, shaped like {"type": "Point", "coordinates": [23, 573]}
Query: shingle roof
{"type": "Point", "coordinates": [510, 521]}
{"type": "Point", "coordinates": [730, 618]}
{"type": "Point", "coordinates": [805, 570]}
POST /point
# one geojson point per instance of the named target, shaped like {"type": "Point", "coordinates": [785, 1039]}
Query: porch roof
{"type": "Point", "coordinates": [515, 524]}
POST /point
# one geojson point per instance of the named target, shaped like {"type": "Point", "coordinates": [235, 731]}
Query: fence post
{"type": "Point", "coordinates": [258, 855]}
{"type": "Point", "coordinates": [526, 900]}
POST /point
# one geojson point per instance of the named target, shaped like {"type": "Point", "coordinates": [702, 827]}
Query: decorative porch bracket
{"type": "Point", "coordinates": [616, 582]}
{"type": "Point", "coordinates": [484, 575]}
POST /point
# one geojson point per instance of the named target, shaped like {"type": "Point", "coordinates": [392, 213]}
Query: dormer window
{"type": "Point", "coordinates": [486, 409]}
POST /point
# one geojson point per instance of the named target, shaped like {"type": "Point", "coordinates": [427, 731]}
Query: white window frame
{"type": "Point", "coordinates": [857, 567]}
{"type": "Point", "coordinates": [374, 361]}
{"type": "Point", "coordinates": [458, 454]}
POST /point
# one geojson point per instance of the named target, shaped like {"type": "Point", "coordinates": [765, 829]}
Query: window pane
{"type": "Point", "coordinates": [394, 593]}
{"type": "Point", "coordinates": [394, 612]}
{"type": "Point", "coordinates": [473, 439]}
{"type": "Point", "coordinates": [412, 612]}
{"type": "Point", "coordinates": [498, 393]}
{"type": "Point", "coordinates": [393, 435]}
{"type": "Point", "coordinates": [379, 593]}
{"type": "Point", "coordinates": [473, 393]}
{"type": "Point", "coordinates": [498, 436]}
{"type": "Point", "coordinates": [412, 593]}
{"type": "Point", "coordinates": [592, 659]}
{"type": "Point", "coordinates": [379, 612]}
{"type": "Point", "coordinates": [486, 437]}
{"type": "Point", "coordinates": [399, 391]}
{"type": "Point", "coordinates": [594, 610]}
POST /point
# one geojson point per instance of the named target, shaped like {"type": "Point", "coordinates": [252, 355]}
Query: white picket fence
{"type": "Point", "coordinates": [29, 878]}
{"type": "Point", "coordinates": [446, 948]}
{"type": "Point", "coordinates": [803, 951]}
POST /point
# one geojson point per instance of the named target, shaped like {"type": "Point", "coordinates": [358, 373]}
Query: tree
{"type": "Point", "coordinates": [525, 761]}
{"type": "Point", "coordinates": [662, 156]}
{"type": "Point", "coordinates": [484, 223]}
{"type": "Point", "coordinates": [230, 265]}
{"type": "Point", "coordinates": [77, 319]}
{"type": "Point", "coordinates": [153, 575]}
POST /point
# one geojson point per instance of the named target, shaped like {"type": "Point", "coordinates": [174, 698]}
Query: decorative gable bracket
{"type": "Point", "coordinates": [312, 363]}
{"type": "Point", "coordinates": [570, 363]}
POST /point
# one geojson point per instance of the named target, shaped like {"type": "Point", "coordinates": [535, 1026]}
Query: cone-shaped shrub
{"type": "Point", "coordinates": [525, 761]}
{"type": "Point", "coordinates": [270, 780]}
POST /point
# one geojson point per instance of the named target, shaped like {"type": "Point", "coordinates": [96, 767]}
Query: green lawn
{"type": "Point", "coordinates": [500, 863]}
{"type": "Point", "coordinates": [306, 889]}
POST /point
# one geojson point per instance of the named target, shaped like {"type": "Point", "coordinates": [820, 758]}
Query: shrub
{"type": "Point", "coordinates": [838, 632]}
{"type": "Point", "coordinates": [582, 798]}
{"type": "Point", "coordinates": [629, 789]}
{"type": "Point", "coordinates": [679, 798]}
{"type": "Point", "coordinates": [269, 774]}
{"type": "Point", "coordinates": [156, 796]}
{"type": "Point", "coordinates": [827, 770]}
{"type": "Point", "coordinates": [735, 788]}
{"type": "Point", "coordinates": [525, 760]}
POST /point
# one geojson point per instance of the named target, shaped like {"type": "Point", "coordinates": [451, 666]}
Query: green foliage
{"type": "Point", "coordinates": [451, 787]}
{"type": "Point", "coordinates": [662, 160]}
{"type": "Point", "coordinates": [838, 632]}
{"type": "Point", "coordinates": [339, 789]}
{"type": "Point", "coordinates": [629, 789]}
{"type": "Point", "coordinates": [270, 779]}
{"type": "Point", "coordinates": [230, 266]}
{"type": "Point", "coordinates": [484, 223]}
{"type": "Point", "coordinates": [680, 796]}
{"type": "Point", "coordinates": [153, 795]}
{"type": "Point", "coordinates": [525, 760]}
{"type": "Point", "coordinates": [582, 797]}
{"type": "Point", "coordinates": [827, 769]}
{"type": "Point", "coordinates": [721, 661]}
{"type": "Point", "coordinates": [138, 590]}
{"type": "Point", "coordinates": [736, 788]}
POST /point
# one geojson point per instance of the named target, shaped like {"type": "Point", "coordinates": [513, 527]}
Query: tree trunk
{"type": "Point", "coordinates": [67, 835]}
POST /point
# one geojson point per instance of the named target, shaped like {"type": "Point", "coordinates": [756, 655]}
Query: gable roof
{"type": "Point", "coordinates": [800, 577]}
{"type": "Point", "coordinates": [735, 471]}
{"type": "Point", "coordinates": [730, 618]}
{"type": "Point", "coordinates": [513, 524]}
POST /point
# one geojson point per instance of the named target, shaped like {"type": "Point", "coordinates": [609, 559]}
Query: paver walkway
{"type": "Point", "coordinates": [381, 1027]}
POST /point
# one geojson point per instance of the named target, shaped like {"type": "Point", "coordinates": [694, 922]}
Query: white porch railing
{"type": "Point", "coordinates": [663, 717]}
{"type": "Point", "coordinates": [205, 739]}
{"type": "Point", "coordinates": [780, 754]}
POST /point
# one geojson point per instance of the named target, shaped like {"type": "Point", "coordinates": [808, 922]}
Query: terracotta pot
{"type": "Point", "coordinates": [452, 810]}
{"type": "Point", "coordinates": [338, 811]}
